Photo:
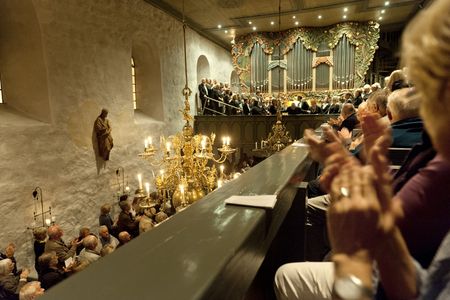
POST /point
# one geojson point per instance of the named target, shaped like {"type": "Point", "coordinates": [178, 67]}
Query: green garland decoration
{"type": "Point", "coordinates": [364, 36]}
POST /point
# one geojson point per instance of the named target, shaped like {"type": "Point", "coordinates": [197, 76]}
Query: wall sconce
{"type": "Point", "coordinates": [45, 215]}
{"type": "Point", "coordinates": [122, 188]}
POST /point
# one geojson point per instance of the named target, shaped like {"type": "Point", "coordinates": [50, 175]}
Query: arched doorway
{"type": "Point", "coordinates": [234, 82]}
{"type": "Point", "coordinates": [202, 68]}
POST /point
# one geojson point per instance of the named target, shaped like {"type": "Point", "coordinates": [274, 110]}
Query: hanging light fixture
{"type": "Point", "coordinates": [279, 137]}
{"type": "Point", "coordinates": [188, 171]}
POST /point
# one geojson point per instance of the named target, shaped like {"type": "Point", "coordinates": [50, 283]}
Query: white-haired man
{"type": "Point", "coordinates": [106, 238]}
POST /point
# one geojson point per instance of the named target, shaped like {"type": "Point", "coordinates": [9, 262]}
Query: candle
{"type": "Point", "coordinates": [203, 143]}
{"type": "Point", "coordinates": [221, 169]}
{"type": "Point", "coordinates": [168, 145]}
{"type": "Point", "coordinates": [228, 141]}
{"type": "Point", "coordinates": [47, 222]}
{"type": "Point", "coordinates": [162, 174]}
{"type": "Point", "coordinates": [219, 183]}
{"type": "Point", "coordinates": [146, 144]}
{"type": "Point", "coordinates": [53, 219]}
{"type": "Point", "coordinates": [256, 145]}
{"type": "Point", "coordinates": [224, 141]}
{"type": "Point", "coordinates": [127, 189]}
{"type": "Point", "coordinates": [140, 180]}
{"type": "Point", "coordinates": [150, 140]}
{"type": "Point", "coordinates": [147, 188]}
{"type": "Point", "coordinates": [262, 144]}
{"type": "Point", "coordinates": [182, 192]}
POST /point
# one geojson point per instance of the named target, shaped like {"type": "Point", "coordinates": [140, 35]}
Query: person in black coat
{"type": "Point", "coordinates": [349, 117]}
{"type": "Point", "coordinates": [40, 234]}
{"type": "Point", "coordinates": [50, 273]}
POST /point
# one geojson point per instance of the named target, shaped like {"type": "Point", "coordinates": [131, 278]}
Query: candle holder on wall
{"type": "Point", "coordinates": [122, 185]}
{"type": "Point", "coordinates": [45, 215]}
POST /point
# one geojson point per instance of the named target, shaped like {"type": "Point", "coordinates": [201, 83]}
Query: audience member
{"type": "Point", "coordinates": [396, 81]}
{"type": "Point", "coordinates": [403, 113]}
{"type": "Point", "coordinates": [56, 244]}
{"type": "Point", "coordinates": [106, 238]}
{"type": "Point", "coordinates": [88, 255]}
{"type": "Point", "coordinates": [10, 284]}
{"type": "Point", "coordinates": [51, 273]}
{"type": "Point", "coordinates": [314, 108]}
{"type": "Point", "coordinates": [126, 221]}
{"type": "Point", "coordinates": [105, 218]}
{"type": "Point", "coordinates": [40, 236]}
{"type": "Point", "coordinates": [124, 237]}
{"type": "Point", "coordinates": [10, 250]}
{"type": "Point", "coordinates": [31, 291]}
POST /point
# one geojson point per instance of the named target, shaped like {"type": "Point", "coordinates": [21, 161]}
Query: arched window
{"type": "Point", "coordinates": [133, 81]}
{"type": "Point", "coordinates": [1, 94]}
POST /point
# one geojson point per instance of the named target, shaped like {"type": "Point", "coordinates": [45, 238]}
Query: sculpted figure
{"type": "Point", "coordinates": [103, 132]}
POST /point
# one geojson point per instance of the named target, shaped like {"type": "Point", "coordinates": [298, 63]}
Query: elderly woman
{"type": "Point", "coordinates": [10, 284]}
{"type": "Point", "coordinates": [363, 219]}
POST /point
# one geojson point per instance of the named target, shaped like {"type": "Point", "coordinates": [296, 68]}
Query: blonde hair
{"type": "Point", "coordinates": [397, 75]}
{"type": "Point", "coordinates": [426, 50]}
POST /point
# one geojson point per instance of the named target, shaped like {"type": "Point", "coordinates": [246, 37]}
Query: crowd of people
{"type": "Point", "coordinates": [56, 260]}
{"type": "Point", "coordinates": [217, 99]}
{"type": "Point", "coordinates": [376, 232]}
{"type": "Point", "coordinates": [387, 233]}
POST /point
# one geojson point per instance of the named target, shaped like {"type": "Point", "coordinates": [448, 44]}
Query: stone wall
{"type": "Point", "coordinates": [80, 64]}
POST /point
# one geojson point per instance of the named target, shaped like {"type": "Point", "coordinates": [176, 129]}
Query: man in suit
{"type": "Point", "coordinates": [303, 104]}
{"type": "Point", "coordinates": [314, 108]}
{"type": "Point", "coordinates": [246, 107]}
{"type": "Point", "coordinates": [334, 108]}
{"type": "Point", "coordinates": [348, 115]}
{"type": "Point", "coordinates": [202, 92]}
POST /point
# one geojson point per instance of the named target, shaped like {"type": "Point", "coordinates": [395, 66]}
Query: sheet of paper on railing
{"type": "Point", "coordinates": [264, 201]}
{"type": "Point", "coordinates": [299, 144]}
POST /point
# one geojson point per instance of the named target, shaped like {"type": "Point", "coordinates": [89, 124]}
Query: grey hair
{"type": "Point", "coordinates": [404, 103]}
{"type": "Point", "coordinates": [28, 291]}
{"type": "Point", "coordinates": [4, 266]}
{"type": "Point", "coordinates": [90, 242]}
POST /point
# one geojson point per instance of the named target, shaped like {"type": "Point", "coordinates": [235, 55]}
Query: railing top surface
{"type": "Point", "coordinates": [183, 256]}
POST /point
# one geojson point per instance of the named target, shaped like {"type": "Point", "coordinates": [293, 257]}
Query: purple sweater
{"type": "Point", "coordinates": [426, 205]}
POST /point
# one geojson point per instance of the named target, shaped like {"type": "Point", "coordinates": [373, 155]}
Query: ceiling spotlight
{"type": "Point", "coordinates": [319, 17]}
{"type": "Point", "coordinates": [249, 22]}
{"type": "Point", "coordinates": [296, 22]}
{"type": "Point", "coordinates": [254, 28]}
{"type": "Point", "coordinates": [383, 11]}
{"type": "Point", "coordinates": [344, 16]}
{"type": "Point", "coordinates": [380, 18]}
{"type": "Point", "coordinates": [226, 31]}
{"type": "Point", "coordinates": [293, 17]}
{"type": "Point", "coordinates": [386, 3]}
{"type": "Point", "coordinates": [272, 23]}
{"type": "Point", "coordinates": [345, 9]}
{"type": "Point", "coordinates": [219, 26]}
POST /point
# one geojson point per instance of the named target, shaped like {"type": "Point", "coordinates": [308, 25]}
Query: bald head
{"type": "Point", "coordinates": [403, 104]}
{"type": "Point", "coordinates": [54, 232]}
{"type": "Point", "coordinates": [124, 237]}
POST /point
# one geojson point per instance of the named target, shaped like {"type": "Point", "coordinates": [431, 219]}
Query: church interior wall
{"type": "Point", "coordinates": [61, 62]}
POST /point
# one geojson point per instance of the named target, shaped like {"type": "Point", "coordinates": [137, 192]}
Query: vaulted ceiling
{"type": "Point", "coordinates": [221, 20]}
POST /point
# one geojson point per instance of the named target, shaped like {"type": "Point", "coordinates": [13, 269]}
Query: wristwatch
{"type": "Point", "coordinates": [351, 287]}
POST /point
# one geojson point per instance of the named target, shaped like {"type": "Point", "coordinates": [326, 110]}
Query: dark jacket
{"type": "Point", "coordinates": [350, 122]}
{"type": "Point", "coordinates": [50, 277]}
{"type": "Point", "coordinates": [406, 133]}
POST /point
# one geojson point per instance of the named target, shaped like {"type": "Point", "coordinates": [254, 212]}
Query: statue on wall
{"type": "Point", "coordinates": [104, 137]}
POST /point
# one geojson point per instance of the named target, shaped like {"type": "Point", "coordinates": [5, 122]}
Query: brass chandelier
{"type": "Point", "coordinates": [187, 162]}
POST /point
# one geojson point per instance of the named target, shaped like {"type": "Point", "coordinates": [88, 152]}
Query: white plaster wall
{"type": "Point", "coordinates": [87, 47]}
